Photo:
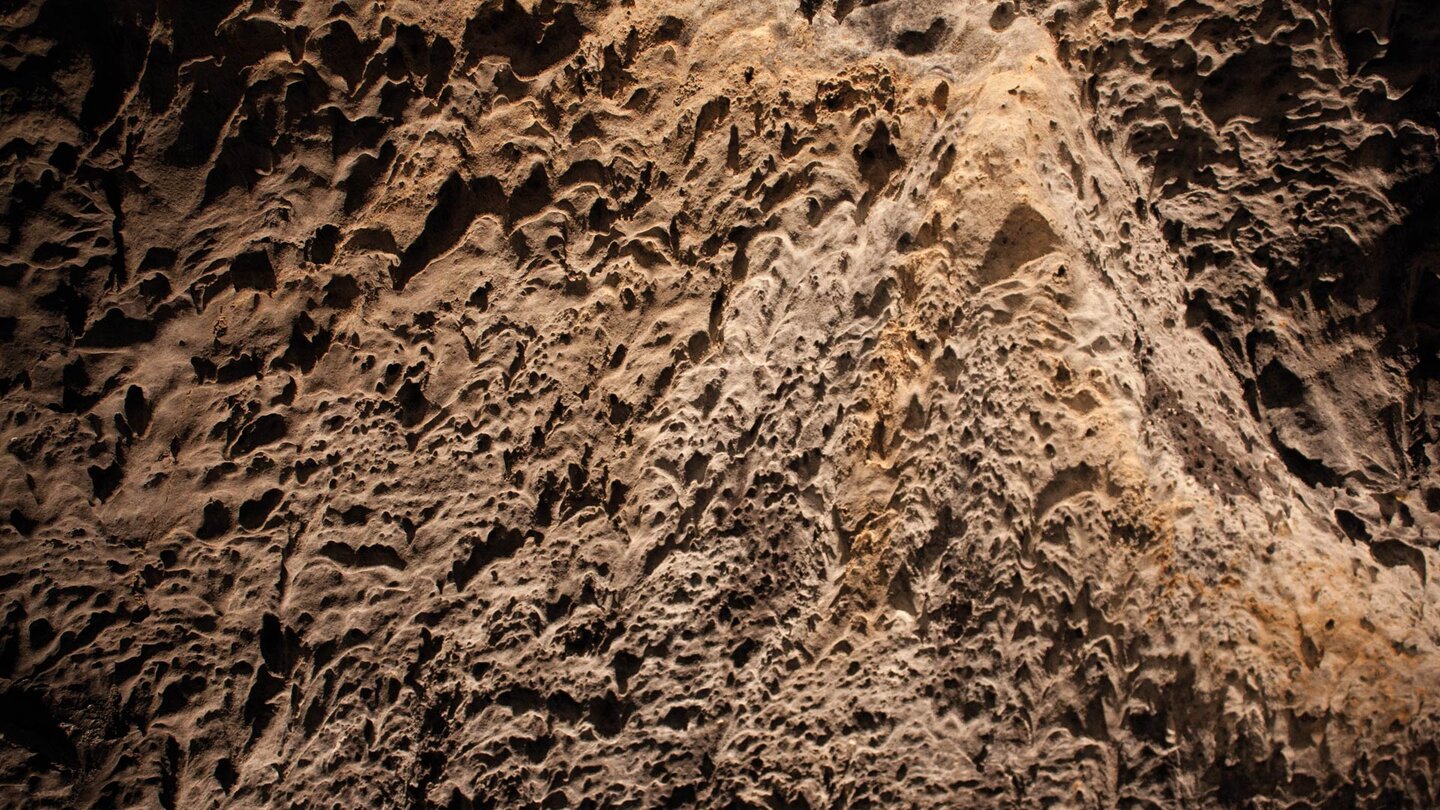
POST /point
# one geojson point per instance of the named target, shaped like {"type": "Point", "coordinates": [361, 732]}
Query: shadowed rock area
{"type": "Point", "coordinates": [752, 404]}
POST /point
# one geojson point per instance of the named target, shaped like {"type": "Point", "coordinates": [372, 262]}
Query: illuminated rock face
{"type": "Point", "coordinates": [835, 404]}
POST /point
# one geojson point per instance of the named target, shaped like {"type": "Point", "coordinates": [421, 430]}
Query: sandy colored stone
{"type": "Point", "coordinates": [833, 403]}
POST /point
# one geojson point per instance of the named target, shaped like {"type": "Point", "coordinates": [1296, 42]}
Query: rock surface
{"type": "Point", "coordinates": [842, 403]}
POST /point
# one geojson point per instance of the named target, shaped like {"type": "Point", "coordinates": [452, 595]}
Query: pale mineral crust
{"type": "Point", "coordinates": [722, 403]}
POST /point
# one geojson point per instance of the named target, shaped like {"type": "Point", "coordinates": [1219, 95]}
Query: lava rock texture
{"type": "Point", "coordinates": [634, 403]}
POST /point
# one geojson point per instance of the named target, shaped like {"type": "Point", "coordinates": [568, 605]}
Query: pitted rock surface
{"type": "Point", "coordinates": [833, 403]}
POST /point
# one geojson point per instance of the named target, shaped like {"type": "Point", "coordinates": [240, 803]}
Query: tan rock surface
{"type": "Point", "coordinates": [840, 403]}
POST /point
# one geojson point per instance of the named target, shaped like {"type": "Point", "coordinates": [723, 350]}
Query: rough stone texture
{"type": "Point", "coordinates": [840, 403]}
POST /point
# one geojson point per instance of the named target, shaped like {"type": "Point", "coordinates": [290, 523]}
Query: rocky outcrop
{"type": "Point", "coordinates": [825, 403]}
